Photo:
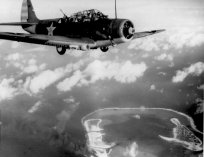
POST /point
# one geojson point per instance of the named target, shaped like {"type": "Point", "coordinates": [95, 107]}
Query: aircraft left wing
{"type": "Point", "coordinates": [147, 33]}
{"type": "Point", "coordinates": [48, 40]}
{"type": "Point", "coordinates": [17, 24]}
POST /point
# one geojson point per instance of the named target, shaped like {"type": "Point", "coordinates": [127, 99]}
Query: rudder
{"type": "Point", "coordinates": [27, 12]}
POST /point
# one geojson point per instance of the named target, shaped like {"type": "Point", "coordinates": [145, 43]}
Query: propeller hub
{"type": "Point", "coordinates": [131, 30]}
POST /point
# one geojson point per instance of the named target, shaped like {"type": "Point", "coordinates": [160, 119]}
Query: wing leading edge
{"type": "Point", "coordinates": [147, 33]}
{"type": "Point", "coordinates": [47, 40]}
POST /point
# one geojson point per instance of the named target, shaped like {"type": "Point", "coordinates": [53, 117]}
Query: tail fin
{"type": "Point", "coordinates": [28, 13]}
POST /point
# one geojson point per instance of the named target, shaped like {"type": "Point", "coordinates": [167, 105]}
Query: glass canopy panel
{"type": "Point", "coordinates": [87, 15]}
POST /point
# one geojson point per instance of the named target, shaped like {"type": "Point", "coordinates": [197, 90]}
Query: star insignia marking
{"type": "Point", "coordinates": [51, 29]}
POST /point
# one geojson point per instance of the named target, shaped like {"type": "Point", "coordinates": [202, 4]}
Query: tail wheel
{"type": "Point", "coordinates": [104, 49]}
{"type": "Point", "coordinates": [61, 50]}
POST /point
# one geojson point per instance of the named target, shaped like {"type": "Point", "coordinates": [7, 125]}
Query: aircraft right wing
{"type": "Point", "coordinates": [147, 33]}
{"type": "Point", "coordinates": [48, 40]}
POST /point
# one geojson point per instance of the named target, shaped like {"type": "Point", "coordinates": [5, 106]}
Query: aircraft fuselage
{"type": "Point", "coordinates": [102, 29]}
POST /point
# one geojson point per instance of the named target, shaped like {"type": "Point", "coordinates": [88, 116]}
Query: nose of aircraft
{"type": "Point", "coordinates": [128, 29]}
{"type": "Point", "coordinates": [131, 30]}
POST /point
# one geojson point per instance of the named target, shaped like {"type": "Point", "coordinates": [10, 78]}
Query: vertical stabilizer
{"type": "Point", "coordinates": [28, 13]}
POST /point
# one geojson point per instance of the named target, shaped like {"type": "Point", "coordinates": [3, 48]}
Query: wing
{"type": "Point", "coordinates": [47, 40]}
{"type": "Point", "coordinates": [18, 24]}
{"type": "Point", "coordinates": [147, 33]}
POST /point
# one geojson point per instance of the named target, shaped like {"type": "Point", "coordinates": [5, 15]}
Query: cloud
{"type": "Point", "coordinates": [7, 91]}
{"type": "Point", "coordinates": [42, 80]}
{"type": "Point", "coordinates": [71, 99]}
{"type": "Point", "coordinates": [201, 87]}
{"type": "Point", "coordinates": [1, 42]}
{"type": "Point", "coordinates": [197, 40]}
{"type": "Point", "coordinates": [14, 57]}
{"type": "Point", "coordinates": [45, 79]}
{"type": "Point", "coordinates": [153, 87]}
{"type": "Point", "coordinates": [175, 38]}
{"type": "Point", "coordinates": [68, 83]}
{"type": "Point", "coordinates": [35, 107]}
{"type": "Point", "coordinates": [164, 57]}
{"type": "Point", "coordinates": [129, 72]}
{"type": "Point", "coordinates": [146, 44]}
{"type": "Point", "coordinates": [15, 44]}
{"type": "Point", "coordinates": [125, 72]}
{"type": "Point", "coordinates": [27, 66]}
{"type": "Point", "coordinates": [146, 55]}
{"type": "Point", "coordinates": [95, 53]}
{"type": "Point", "coordinates": [75, 53]}
{"type": "Point", "coordinates": [37, 49]}
{"type": "Point", "coordinates": [32, 67]}
{"type": "Point", "coordinates": [65, 115]}
{"type": "Point", "coordinates": [194, 69]}
{"type": "Point", "coordinates": [162, 73]}
{"type": "Point", "coordinates": [186, 37]}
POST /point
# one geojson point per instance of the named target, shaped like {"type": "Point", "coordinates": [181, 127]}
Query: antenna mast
{"type": "Point", "coordinates": [0, 129]}
{"type": "Point", "coordinates": [63, 13]}
{"type": "Point", "coordinates": [116, 9]}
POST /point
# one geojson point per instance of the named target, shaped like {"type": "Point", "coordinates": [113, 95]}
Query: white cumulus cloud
{"type": "Point", "coordinates": [164, 57]}
{"type": "Point", "coordinates": [35, 107]}
{"type": "Point", "coordinates": [70, 82]}
{"type": "Point", "coordinates": [129, 72]}
{"type": "Point", "coordinates": [194, 69]}
{"type": "Point", "coordinates": [45, 79]}
{"type": "Point", "coordinates": [175, 38]}
{"type": "Point", "coordinates": [27, 66]}
{"type": "Point", "coordinates": [14, 57]}
{"type": "Point", "coordinates": [7, 91]}
{"type": "Point", "coordinates": [186, 37]}
{"type": "Point", "coordinates": [32, 67]}
{"type": "Point", "coordinates": [126, 72]}
{"type": "Point", "coordinates": [146, 44]}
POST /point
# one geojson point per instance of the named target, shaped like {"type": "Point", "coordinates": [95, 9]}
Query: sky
{"type": "Point", "coordinates": [41, 91]}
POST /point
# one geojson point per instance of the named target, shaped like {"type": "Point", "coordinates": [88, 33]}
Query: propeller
{"type": "Point", "coordinates": [128, 29]}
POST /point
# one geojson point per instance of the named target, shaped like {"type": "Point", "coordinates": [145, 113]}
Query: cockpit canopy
{"type": "Point", "coordinates": [87, 16]}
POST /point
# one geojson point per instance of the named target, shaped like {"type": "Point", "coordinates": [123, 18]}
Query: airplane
{"type": "Point", "coordinates": [85, 30]}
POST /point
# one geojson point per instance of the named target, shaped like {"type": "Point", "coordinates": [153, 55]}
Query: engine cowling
{"type": "Point", "coordinates": [122, 30]}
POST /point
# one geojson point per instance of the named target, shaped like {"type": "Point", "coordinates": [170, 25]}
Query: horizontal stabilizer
{"type": "Point", "coordinates": [17, 24]}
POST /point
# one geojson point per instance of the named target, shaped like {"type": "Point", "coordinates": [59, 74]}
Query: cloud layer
{"type": "Point", "coordinates": [125, 72]}
{"type": "Point", "coordinates": [176, 38]}
{"type": "Point", "coordinates": [74, 74]}
{"type": "Point", "coordinates": [194, 69]}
